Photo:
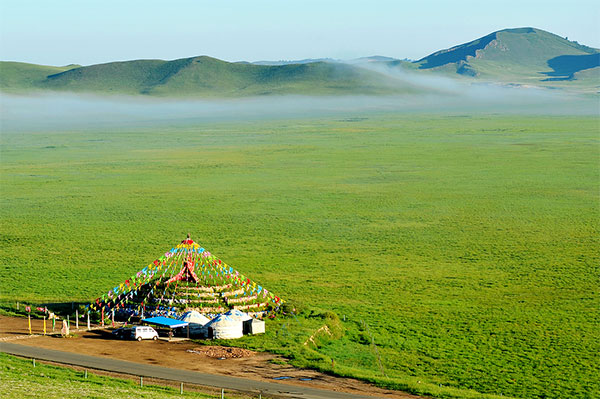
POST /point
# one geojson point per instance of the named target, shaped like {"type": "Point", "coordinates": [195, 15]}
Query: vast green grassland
{"type": "Point", "coordinates": [467, 245]}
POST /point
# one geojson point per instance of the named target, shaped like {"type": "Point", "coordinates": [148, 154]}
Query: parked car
{"type": "Point", "coordinates": [123, 332]}
{"type": "Point", "coordinates": [144, 332]}
{"type": "Point", "coordinates": [135, 332]}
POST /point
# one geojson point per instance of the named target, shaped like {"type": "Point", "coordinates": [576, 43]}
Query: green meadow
{"type": "Point", "coordinates": [451, 255]}
{"type": "Point", "coordinates": [20, 379]}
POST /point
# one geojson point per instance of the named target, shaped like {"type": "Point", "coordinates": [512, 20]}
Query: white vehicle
{"type": "Point", "coordinates": [144, 332]}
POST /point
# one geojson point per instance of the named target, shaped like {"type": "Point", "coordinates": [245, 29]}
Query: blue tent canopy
{"type": "Point", "coordinates": [165, 322]}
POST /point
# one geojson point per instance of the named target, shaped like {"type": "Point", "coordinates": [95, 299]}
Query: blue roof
{"type": "Point", "coordinates": [165, 322]}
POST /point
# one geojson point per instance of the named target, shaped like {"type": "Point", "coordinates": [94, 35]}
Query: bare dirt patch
{"type": "Point", "coordinates": [221, 352]}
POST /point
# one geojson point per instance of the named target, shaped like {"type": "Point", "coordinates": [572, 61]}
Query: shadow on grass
{"type": "Point", "coordinates": [565, 66]}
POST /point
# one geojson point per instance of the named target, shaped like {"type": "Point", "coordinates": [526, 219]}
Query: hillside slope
{"type": "Point", "coordinates": [525, 55]}
{"type": "Point", "coordinates": [208, 77]}
{"type": "Point", "coordinates": [19, 76]}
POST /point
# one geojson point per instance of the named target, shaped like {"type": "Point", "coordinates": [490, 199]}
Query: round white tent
{"type": "Point", "coordinates": [197, 323]}
{"type": "Point", "coordinates": [225, 327]}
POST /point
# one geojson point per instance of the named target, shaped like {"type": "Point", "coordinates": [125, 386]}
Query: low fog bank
{"type": "Point", "coordinates": [56, 111]}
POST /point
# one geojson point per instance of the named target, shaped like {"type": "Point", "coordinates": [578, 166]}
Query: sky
{"type": "Point", "coordinates": [89, 32]}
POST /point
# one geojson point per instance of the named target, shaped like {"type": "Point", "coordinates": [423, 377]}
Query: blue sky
{"type": "Point", "coordinates": [88, 32]}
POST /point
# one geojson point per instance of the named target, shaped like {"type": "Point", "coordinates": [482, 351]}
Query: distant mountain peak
{"type": "Point", "coordinates": [461, 52]}
{"type": "Point", "coordinates": [519, 30]}
{"type": "Point", "coordinates": [527, 51]}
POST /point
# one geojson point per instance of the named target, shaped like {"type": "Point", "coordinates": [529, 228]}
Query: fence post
{"type": "Point", "coordinates": [33, 359]}
{"type": "Point", "coordinates": [88, 320]}
{"type": "Point", "coordinates": [85, 374]}
{"type": "Point", "coordinates": [77, 319]}
{"type": "Point", "coordinates": [141, 381]}
{"type": "Point", "coordinates": [181, 389]}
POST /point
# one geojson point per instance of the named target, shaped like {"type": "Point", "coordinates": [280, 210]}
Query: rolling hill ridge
{"type": "Point", "coordinates": [201, 77]}
{"type": "Point", "coordinates": [523, 56]}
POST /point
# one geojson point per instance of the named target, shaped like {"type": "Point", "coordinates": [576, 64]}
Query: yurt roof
{"type": "Point", "coordinates": [193, 316]}
{"type": "Point", "coordinates": [223, 320]}
{"type": "Point", "coordinates": [238, 315]}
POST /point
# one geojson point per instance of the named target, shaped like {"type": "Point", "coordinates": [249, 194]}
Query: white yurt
{"type": "Point", "coordinates": [197, 323]}
{"type": "Point", "coordinates": [225, 327]}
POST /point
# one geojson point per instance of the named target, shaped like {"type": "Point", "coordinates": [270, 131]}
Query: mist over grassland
{"type": "Point", "coordinates": [60, 111]}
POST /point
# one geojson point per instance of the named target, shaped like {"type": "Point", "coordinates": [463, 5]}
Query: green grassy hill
{"type": "Point", "coordinates": [204, 77]}
{"type": "Point", "coordinates": [19, 76]}
{"type": "Point", "coordinates": [522, 55]}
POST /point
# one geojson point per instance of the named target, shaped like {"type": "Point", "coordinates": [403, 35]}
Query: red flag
{"type": "Point", "coordinates": [28, 308]}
